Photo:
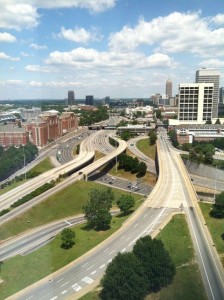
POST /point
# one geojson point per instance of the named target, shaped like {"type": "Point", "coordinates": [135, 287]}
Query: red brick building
{"type": "Point", "coordinates": [12, 135]}
{"type": "Point", "coordinates": [49, 127]}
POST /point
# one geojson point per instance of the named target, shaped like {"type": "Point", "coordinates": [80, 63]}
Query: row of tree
{"type": "Point", "coordinates": [132, 164]}
{"type": "Point", "coordinates": [13, 159]}
{"type": "Point", "coordinates": [152, 137]}
{"type": "Point", "coordinates": [136, 274]}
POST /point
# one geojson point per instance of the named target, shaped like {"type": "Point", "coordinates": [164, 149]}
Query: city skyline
{"type": "Point", "coordinates": [120, 48]}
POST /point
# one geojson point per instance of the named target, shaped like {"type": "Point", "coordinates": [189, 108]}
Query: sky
{"type": "Point", "coordinates": [116, 48]}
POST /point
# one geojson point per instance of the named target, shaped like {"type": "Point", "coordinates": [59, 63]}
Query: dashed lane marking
{"type": "Point", "coordinates": [64, 283]}
{"type": "Point", "coordinates": [102, 266]}
{"type": "Point", "coordinates": [94, 272]}
{"type": "Point", "coordinates": [64, 292]}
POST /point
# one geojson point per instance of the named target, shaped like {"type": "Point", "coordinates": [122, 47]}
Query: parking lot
{"type": "Point", "coordinates": [133, 187]}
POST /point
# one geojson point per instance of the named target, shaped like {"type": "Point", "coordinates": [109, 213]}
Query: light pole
{"type": "Point", "coordinates": [24, 161]}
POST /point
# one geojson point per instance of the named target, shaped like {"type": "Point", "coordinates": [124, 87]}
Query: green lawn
{"type": "Point", "coordinates": [16, 271]}
{"type": "Point", "coordinates": [65, 203]}
{"type": "Point", "coordinates": [216, 228]}
{"type": "Point", "coordinates": [146, 148]}
{"type": "Point", "coordinates": [187, 283]}
{"type": "Point", "coordinates": [43, 166]}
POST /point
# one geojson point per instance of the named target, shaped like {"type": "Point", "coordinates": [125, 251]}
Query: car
{"type": "Point", "coordinates": [110, 182]}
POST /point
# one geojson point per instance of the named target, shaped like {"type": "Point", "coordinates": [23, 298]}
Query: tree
{"type": "Point", "coordinates": [208, 158]}
{"type": "Point", "coordinates": [218, 208]}
{"type": "Point", "coordinates": [125, 202]}
{"type": "Point", "coordinates": [209, 121]}
{"type": "Point", "coordinates": [126, 135]}
{"type": "Point", "coordinates": [123, 279]}
{"type": "Point", "coordinates": [142, 168]}
{"type": "Point", "coordinates": [67, 238]}
{"type": "Point", "coordinates": [217, 121]}
{"type": "Point", "coordinates": [97, 208]}
{"type": "Point", "coordinates": [152, 137]}
{"type": "Point", "coordinates": [157, 264]}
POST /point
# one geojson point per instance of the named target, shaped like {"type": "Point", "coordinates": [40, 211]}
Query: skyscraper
{"type": "Point", "coordinates": [210, 75]}
{"type": "Point", "coordinates": [168, 88]}
{"type": "Point", "coordinates": [195, 102]}
{"type": "Point", "coordinates": [71, 98]}
{"type": "Point", "coordinates": [89, 100]}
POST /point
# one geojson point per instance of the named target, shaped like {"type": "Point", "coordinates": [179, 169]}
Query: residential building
{"type": "Point", "coordinates": [210, 75]}
{"type": "Point", "coordinates": [168, 88]}
{"type": "Point", "coordinates": [89, 100]}
{"type": "Point", "coordinates": [11, 135]}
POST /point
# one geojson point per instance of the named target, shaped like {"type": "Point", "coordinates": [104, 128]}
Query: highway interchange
{"type": "Point", "coordinates": [173, 193]}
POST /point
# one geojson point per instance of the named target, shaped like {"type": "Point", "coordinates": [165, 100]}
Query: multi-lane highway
{"type": "Point", "coordinates": [172, 192]}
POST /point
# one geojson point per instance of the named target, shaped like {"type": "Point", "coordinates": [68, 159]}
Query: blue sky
{"type": "Point", "coordinates": [116, 48]}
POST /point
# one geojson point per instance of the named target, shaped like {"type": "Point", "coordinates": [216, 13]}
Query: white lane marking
{"type": "Point", "coordinates": [68, 222]}
{"type": "Point", "coordinates": [123, 250]}
{"type": "Point", "coordinates": [94, 272]}
{"type": "Point", "coordinates": [64, 292]}
{"type": "Point", "coordinates": [64, 283]}
{"type": "Point", "coordinates": [122, 237]}
{"type": "Point", "coordinates": [84, 265]}
{"type": "Point", "coordinates": [60, 280]}
{"type": "Point", "coordinates": [145, 215]}
{"type": "Point", "coordinates": [29, 297]}
{"type": "Point", "coordinates": [110, 260]}
{"type": "Point", "coordinates": [90, 267]}
{"type": "Point", "coordinates": [128, 239]}
{"type": "Point", "coordinates": [76, 287]}
{"type": "Point", "coordinates": [105, 250]}
{"type": "Point", "coordinates": [101, 267]}
{"type": "Point", "coordinates": [135, 225]}
{"type": "Point", "coordinates": [88, 280]}
{"type": "Point", "coordinates": [111, 252]}
{"type": "Point", "coordinates": [54, 298]}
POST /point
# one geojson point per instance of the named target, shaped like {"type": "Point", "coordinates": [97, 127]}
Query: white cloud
{"type": "Point", "coordinates": [38, 47]}
{"type": "Point", "coordinates": [177, 32]}
{"type": "Point", "coordinates": [5, 56]}
{"type": "Point", "coordinates": [218, 19]}
{"type": "Point", "coordinates": [95, 6]}
{"type": "Point", "coordinates": [36, 84]}
{"type": "Point", "coordinates": [7, 37]}
{"type": "Point", "coordinates": [83, 58]}
{"type": "Point", "coordinates": [18, 14]}
{"type": "Point", "coordinates": [15, 82]}
{"type": "Point", "coordinates": [214, 63]}
{"type": "Point", "coordinates": [79, 35]}
{"type": "Point", "coordinates": [37, 68]}
{"type": "Point", "coordinates": [24, 54]}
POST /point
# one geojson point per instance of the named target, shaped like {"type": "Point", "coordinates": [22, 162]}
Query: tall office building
{"type": "Point", "coordinates": [89, 100]}
{"type": "Point", "coordinates": [210, 75]}
{"type": "Point", "coordinates": [71, 98]}
{"type": "Point", "coordinates": [168, 88]}
{"type": "Point", "coordinates": [195, 102]}
{"type": "Point", "coordinates": [221, 95]}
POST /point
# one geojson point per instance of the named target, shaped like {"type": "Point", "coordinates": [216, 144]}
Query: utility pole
{"type": "Point", "coordinates": [24, 160]}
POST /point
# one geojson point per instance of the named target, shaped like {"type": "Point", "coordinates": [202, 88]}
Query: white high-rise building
{"type": "Point", "coordinates": [210, 75]}
{"type": "Point", "coordinates": [195, 103]}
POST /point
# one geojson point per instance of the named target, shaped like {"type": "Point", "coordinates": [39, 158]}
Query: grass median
{"type": "Point", "coordinates": [216, 228]}
{"type": "Point", "coordinates": [149, 150]}
{"type": "Point", "coordinates": [66, 203]}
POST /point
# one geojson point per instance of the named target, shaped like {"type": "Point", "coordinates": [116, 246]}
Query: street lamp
{"type": "Point", "coordinates": [24, 160]}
